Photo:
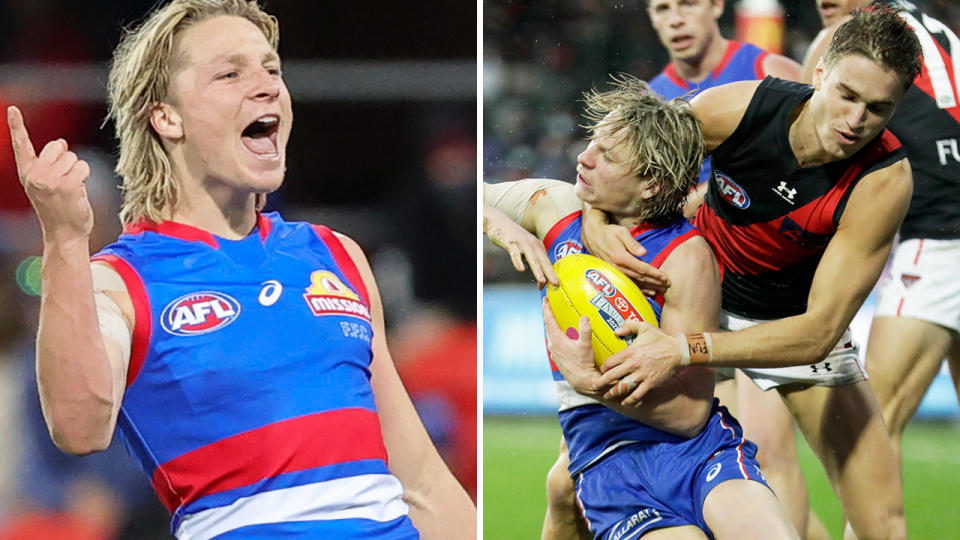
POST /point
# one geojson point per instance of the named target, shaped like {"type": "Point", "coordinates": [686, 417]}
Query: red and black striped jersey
{"type": "Point", "coordinates": [767, 218]}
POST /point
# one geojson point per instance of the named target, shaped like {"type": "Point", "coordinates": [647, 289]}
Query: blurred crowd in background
{"type": "Point", "coordinates": [532, 87]}
{"type": "Point", "coordinates": [383, 149]}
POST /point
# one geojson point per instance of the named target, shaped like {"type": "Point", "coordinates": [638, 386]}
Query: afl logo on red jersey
{"type": "Point", "coordinates": [731, 191]}
{"type": "Point", "coordinates": [199, 313]}
{"type": "Point", "coordinates": [568, 247]}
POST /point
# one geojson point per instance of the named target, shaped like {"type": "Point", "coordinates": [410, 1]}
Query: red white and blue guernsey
{"type": "Point", "coordinates": [248, 400]}
{"type": "Point", "coordinates": [741, 62]}
{"type": "Point", "coordinates": [591, 429]}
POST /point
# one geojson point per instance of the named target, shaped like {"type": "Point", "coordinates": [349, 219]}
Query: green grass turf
{"type": "Point", "coordinates": [518, 451]}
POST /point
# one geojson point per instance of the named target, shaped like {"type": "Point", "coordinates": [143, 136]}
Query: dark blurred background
{"type": "Point", "coordinates": [383, 149]}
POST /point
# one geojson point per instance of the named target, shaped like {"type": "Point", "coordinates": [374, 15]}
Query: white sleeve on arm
{"type": "Point", "coordinates": [113, 325]}
{"type": "Point", "coordinates": [513, 198]}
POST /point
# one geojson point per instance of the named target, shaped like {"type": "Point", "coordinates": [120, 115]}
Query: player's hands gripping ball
{"type": "Point", "coordinates": [595, 288]}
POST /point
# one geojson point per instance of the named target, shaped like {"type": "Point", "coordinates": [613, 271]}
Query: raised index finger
{"type": "Point", "coordinates": [23, 150]}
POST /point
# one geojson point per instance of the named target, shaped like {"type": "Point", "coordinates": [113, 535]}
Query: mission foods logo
{"type": "Point", "coordinates": [328, 295]}
{"type": "Point", "coordinates": [199, 313]}
{"type": "Point", "coordinates": [612, 306]}
{"type": "Point", "coordinates": [731, 191]}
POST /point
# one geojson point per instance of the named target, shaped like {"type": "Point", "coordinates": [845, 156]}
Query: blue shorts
{"type": "Point", "coordinates": [645, 486]}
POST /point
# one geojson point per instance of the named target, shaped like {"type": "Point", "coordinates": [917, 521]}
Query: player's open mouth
{"type": "Point", "coordinates": [582, 180]}
{"type": "Point", "coordinates": [681, 42]}
{"type": "Point", "coordinates": [260, 137]}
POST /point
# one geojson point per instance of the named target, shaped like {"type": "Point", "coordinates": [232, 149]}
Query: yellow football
{"type": "Point", "coordinates": [593, 287]}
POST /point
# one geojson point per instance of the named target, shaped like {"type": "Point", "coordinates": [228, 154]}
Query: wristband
{"type": "Point", "coordinates": [684, 350]}
{"type": "Point", "coordinates": [699, 348]}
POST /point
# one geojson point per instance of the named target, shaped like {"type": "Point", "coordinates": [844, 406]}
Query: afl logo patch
{"type": "Point", "coordinates": [568, 247]}
{"type": "Point", "coordinates": [199, 313]}
{"type": "Point", "coordinates": [731, 191]}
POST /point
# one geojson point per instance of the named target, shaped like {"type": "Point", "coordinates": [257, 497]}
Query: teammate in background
{"type": "Point", "coordinates": [701, 58]}
{"type": "Point", "coordinates": [642, 160]}
{"type": "Point", "coordinates": [917, 318]}
{"type": "Point", "coordinates": [808, 191]}
{"type": "Point", "coordinates": [241, 357]}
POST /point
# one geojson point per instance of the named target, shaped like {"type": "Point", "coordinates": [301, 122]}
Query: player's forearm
{"type": "Point", "coordinates": [496, 224]}
{"type": "Point", "coordinates": [73, 372]}
{"type": "Point", "coordinates": [439, 506]}
{"type": "Point", "coordinates": [792, 341]}
{"type": "Point", "coordinates": [672, 407]}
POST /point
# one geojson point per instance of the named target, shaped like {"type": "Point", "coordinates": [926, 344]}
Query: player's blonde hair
{"type": "Point", "coordinates": [138, 80]}
{"type": "Point", "coordinates": [664, 138]}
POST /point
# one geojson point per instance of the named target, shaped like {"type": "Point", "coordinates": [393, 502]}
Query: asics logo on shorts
{"type": "Point", "coordinates": [714, 471]}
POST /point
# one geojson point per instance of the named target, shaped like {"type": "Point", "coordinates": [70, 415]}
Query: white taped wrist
{"type": "Point", "coordinates": [684, 350]}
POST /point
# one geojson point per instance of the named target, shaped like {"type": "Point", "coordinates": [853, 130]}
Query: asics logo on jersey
{"type": "Point", "coordinates": [731, 191]}
{"type": "Point", "coordinates": [199, 313]}
{"type": "Point", "coordinates": [270, 293]}
{"type": "Point", "coordinates": [714, 471]}
{"type": "Point", "coordinates": [329, 295]}
{"type": "Point", "coordinates": [784, 192]}
{"type": "Point", "coordinates": [568, 247]}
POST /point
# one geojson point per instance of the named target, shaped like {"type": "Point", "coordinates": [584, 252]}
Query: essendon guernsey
{"type": "Point", "coordinates": [767, 218]}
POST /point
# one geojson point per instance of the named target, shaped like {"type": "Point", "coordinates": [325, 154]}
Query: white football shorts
{"type": "Point", "coordinates": [923, 282]}
{"type": "Point", "coordinates": [841, 367]}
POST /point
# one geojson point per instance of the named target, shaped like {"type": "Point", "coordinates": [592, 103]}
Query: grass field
{"type": "Point", "coordinates": [518, 451]}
